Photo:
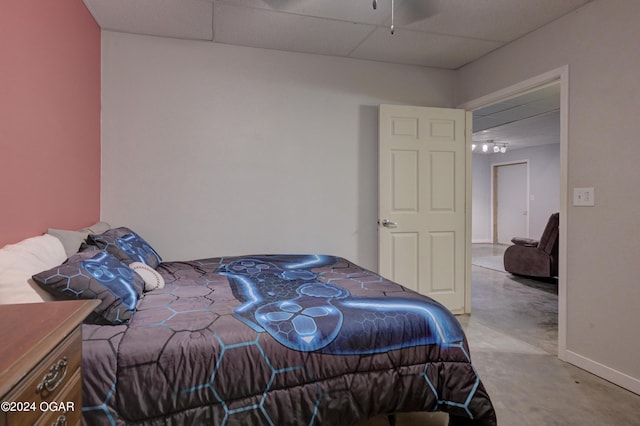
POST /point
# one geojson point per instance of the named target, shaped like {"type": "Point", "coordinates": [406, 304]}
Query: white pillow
{"type": "Point", "coordinates": [152, 279]}
{"type": "Point", "coordinates": [18, 262]}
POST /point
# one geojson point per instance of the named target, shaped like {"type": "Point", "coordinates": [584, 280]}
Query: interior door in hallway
{"type": "Point", "coordinates": [511, 205]}
{"type": "Point", "coordinates": [422, 200]}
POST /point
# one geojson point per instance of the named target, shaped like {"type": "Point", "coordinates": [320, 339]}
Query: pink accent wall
{"type": "Point", "coordinates": [49, 117]}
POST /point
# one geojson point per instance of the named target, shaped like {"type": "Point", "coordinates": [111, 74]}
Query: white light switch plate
{"type": "Point", "coordinates": [584, 197]}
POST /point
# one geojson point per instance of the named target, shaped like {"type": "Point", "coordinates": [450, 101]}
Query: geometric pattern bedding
{"type": "Point", "coordinates": [279, 340]}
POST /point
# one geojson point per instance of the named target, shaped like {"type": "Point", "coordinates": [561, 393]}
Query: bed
{"type": "Point", "coordinates": [259, 340]}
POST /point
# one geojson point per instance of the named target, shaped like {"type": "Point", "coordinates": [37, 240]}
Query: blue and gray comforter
{"type": "Point", "coordinates": [279, 340]}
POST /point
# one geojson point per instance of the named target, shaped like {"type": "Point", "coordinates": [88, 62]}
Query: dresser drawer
{"type": "Point", "coordinates": [66, 410]}
{"type": "Point", "coordinates": [51, 380]}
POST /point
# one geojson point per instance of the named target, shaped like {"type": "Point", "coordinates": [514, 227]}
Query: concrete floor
{"type": "Point", "coordinates": [512, 333]}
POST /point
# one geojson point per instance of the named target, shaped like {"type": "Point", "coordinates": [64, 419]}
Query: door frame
{"type": "Point", "coordinates": [560, 75]}
{"type": "Point", "coordinates": [494, 196]}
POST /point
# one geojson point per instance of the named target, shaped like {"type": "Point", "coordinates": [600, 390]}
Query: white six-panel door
{"type": "Point", "coordinates": [422, 212]}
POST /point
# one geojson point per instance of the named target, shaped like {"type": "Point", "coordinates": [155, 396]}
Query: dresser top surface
{"type": "Point", "coordinates": [29, 331]}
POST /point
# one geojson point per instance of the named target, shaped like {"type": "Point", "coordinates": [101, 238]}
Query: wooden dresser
{"type": "Point", "coordinates": [40, 362]}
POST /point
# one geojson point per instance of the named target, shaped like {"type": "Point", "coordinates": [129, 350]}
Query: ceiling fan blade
{"type": "Point", "coordinates": [406, 11]}
{"type": "Point", "coordinates": [411, 11]}
{"type": "Point", "coordinates": [280, 4]}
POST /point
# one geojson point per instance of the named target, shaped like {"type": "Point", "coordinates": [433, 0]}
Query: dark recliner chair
{"type": "Point", "coordinates": [535, 258]}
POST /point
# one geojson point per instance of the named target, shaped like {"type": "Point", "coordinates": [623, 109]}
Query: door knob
{"type": "Point", "coordinates": [387, 223]}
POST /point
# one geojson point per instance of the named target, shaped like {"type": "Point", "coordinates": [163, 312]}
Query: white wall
{"type": "Point", "coordinates": [212, 150]}
{"type": "Point", "coordinates": [599, 43]}
{"type": "Point", "coordinates": [481, 199]}
{"type": "Point", "coordinates": [544, 187]}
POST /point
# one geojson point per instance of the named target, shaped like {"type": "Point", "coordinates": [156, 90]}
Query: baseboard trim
{"type": "Point", "coordinates": [481, 241]}
{"type": "Point", "coordinates": [614, 376]}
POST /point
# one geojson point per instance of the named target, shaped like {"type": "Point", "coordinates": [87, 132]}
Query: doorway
{"type": "Point", "coordinates": [510, 201]}
{"type": "Point", "coordinates": [560, 77]}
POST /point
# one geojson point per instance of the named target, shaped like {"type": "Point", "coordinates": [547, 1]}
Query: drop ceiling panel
{"type": "Point", "coordinates": [286, 31]}
{"type": "Point", "coordinates": [498, 20]}
{"type": "Point", "coordinates": [545, 104]}
{"type": "Point", "coordinates": [416, 48]}
{"type": "Point", "coordinates": [512, 115]}
{"type": "Point", "coordinates": [190, 19]}
{"type": "Point", "coordinates": [523, 121]}
{"type": "Point", "coordinates": [517, 113]}
{"type": "Point", "coordinates": [360, 11]}
{"type": "Point", "coordinates": [527, 105]}
{"type": "Point", "coordinates": [495, 108]}
{"type": "Point", "coordinates": [481, 123]}
{"type": "Point", "coordinates": [540, 130]}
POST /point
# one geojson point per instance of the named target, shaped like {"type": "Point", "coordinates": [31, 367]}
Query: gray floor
{"type": "Point", "coordinates": [512, 332]}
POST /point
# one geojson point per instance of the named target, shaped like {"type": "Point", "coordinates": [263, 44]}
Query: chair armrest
{"type": "Point", "coordinates": [526, 242]}
{"type": "Point", "coordinates": [529, 261]}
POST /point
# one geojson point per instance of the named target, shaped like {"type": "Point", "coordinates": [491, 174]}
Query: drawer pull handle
{"type": "Point", "coordinates": [54, 377]}
{"type": "Point", "coordinates": [61, 421]}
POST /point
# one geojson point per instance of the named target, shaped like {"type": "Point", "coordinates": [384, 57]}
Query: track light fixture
{"type": "Point", "coordinates": [490, 144]}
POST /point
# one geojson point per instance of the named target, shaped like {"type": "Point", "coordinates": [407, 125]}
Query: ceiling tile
{"type": "Point", "coordinates": [416, 48]}
{"type": "Point", "coordinates": [537, 102]}
{"type": "Point", "coordinates": [515, 114]}
{"type": "Point", "coordinates": [498, 20]}
{"type": "Point", "coordinates": [526, 120]}
{"type": "Point", "coordinates": [285, 31]}
{"type": "Point", "coordinates": [544, 105]}
{"type": "Point", "coordinates": [540, 130]}
{"type": "Point", "coordinates": [481, 123]}
{"type": "Point", "coordinates": [190, 19]}
{"type": "Point", "coordinates": [360, 11]}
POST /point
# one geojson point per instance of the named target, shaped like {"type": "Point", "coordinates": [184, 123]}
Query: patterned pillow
{"type": "Point", "coordinates": [96, 274]}
{"type": "Point", "coordinates": [127, 246]}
